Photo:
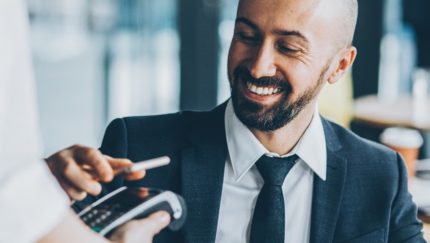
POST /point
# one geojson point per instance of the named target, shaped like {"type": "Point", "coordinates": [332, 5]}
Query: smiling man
{"type": "Point", "coordinates": [264, 166]}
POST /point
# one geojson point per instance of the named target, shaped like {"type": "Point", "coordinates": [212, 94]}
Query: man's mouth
{"type": "Point", "coordinates": [263, 90]}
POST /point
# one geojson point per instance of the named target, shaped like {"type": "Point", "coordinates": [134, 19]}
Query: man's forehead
{"type": "Point", "coordinates": [292, 6]}
{"type": "Point", "coordinates": [306, 16]}
{"type": "Point", "coordinates": [321, 22]}
{"type": "Point", "coordinates": [299, 9]}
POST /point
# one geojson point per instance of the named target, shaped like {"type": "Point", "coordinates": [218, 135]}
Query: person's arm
{"type": "Point", "coordinates": [32, 206]}
{"type": "Point", "coordinates": [69, 230]}
{"type": "Point", "coordinates": [72, 230]}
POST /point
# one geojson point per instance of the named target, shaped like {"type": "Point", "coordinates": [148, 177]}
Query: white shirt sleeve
{"type": "Point", "coordinates": [31, 202]}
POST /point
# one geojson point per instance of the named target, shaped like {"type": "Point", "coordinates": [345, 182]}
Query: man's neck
{"type": "Point", "coordinates": [283, 140]}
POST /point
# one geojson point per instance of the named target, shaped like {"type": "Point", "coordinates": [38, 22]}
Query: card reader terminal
{"type": "Point", "coordinates": [127, 203]}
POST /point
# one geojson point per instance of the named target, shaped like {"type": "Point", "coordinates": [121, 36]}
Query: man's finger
{"type": "Point", "coordinates": [97, 162]}
{"type": "Point", "coordinates": [118, 164]}
{"type": "Point", "coordinates": [155, 222]}
{"type": "Point", "coordinates": [143, 230]}
{"type": "Point", "coordinates": [81, 180]}
{"type": "Point", "coordinates": [72, 192]}
{"type": "Point", "coordinates": [75, 194]}
{"type": "Point", "coordinates": [135, 175]}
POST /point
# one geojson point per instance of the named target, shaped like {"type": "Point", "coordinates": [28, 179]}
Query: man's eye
{"type": "Point", "coordinates": [247, 37]}
{"type": "Point", "coordinates": [287, 49]}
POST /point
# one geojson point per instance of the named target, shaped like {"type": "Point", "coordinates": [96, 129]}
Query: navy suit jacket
{"type": "Point", "coordinates": [364, 198]}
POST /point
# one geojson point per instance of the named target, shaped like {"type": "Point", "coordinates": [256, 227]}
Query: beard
{"type": "Point", "coordinates": [279, 114]}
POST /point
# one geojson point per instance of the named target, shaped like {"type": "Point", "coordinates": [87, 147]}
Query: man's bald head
{"type": "Point", "coordinates": [349, 19]}
{"type": "Point", "coordinates": [339, 17]}
{"type": "Point", "coordinates": [343, 14]}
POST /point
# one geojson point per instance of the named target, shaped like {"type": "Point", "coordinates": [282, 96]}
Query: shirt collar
{"type": "Point", "coordinates": [245, 149]}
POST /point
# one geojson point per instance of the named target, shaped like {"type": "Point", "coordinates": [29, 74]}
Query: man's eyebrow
{"type": "Point", "coordinates": [291, 33]}
{"type": "Point", "coordinates": [251, 24]}
{"type": "Point", "coordinates": [246, 21]}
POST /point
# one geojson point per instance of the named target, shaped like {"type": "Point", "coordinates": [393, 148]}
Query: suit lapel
{"type": "Point", "coordinates": [202, 171]}
{"type": "Point", "coordinates": [327, 195]}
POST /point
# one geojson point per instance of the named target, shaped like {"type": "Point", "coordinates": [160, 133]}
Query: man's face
{"type": "Point", "coordinates": [279, 59]}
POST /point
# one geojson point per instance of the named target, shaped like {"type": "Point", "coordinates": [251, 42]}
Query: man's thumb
{"type": "Point", "coordinates": [156, 222]}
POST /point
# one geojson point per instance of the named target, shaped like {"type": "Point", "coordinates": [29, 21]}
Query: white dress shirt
{"type": "Point", "coordinates": [31, 202]}
{"type": "Point", "coordinates": [243, 182]}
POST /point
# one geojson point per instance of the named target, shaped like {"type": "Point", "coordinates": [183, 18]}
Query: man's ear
{"type": "Point", "coordinates": [347, 57]}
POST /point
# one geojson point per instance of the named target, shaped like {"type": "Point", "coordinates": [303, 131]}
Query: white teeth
{"type": "Point", "coordinates": [262, 90]}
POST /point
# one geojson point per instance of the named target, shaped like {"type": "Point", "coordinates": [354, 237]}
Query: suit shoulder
{"type": "Point", "coordinates": [361, 147]}
{"type": "Point", "coordinates": [159, 134]}
{"type": "Point", "coordinates": [173, 122]}
{"type": "Point", "coordinates": [367, 159]}
{"type": "Point", "coordinates": [167, 121]}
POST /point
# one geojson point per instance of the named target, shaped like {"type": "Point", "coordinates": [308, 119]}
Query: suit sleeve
{"type": "Point", "coordinates": [114, 144]}
{"type": "Point", "coordinates": [115, 141]}
{"type": "Point", "coordinates": [404, 225]}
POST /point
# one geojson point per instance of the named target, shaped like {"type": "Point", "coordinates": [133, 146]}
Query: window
{"type": "Point", "coordinates": [225, 29]}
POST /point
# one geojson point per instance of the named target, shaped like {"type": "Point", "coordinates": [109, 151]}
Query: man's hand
{"type": "Point", "coordinates": [79, 170]}
{"type": "Point", "coordinates": [143, 230]}
{"type": "Point", "coordinates": [71, 230]}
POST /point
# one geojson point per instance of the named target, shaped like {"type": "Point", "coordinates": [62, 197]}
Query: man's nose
{"type": "Point", "coordinates": [264, 62]}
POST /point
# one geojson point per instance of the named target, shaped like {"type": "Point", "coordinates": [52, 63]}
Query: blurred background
{"type": "Point", "coordinates": [100, 59]}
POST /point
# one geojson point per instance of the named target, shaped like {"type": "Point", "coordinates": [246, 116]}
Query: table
{"type": "Point", "coordinates": [400, 112]}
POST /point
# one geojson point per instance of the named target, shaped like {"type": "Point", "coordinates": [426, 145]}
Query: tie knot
{"type": "Point", "coordinates": [274, 170]}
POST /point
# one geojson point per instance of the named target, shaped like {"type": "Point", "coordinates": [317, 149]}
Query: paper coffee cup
{"type": "Point", "coordinates": [407, 142]}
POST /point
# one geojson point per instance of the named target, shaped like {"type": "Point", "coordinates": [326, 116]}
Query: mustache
{"type": "Point", "coordinates": [243, 74]}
